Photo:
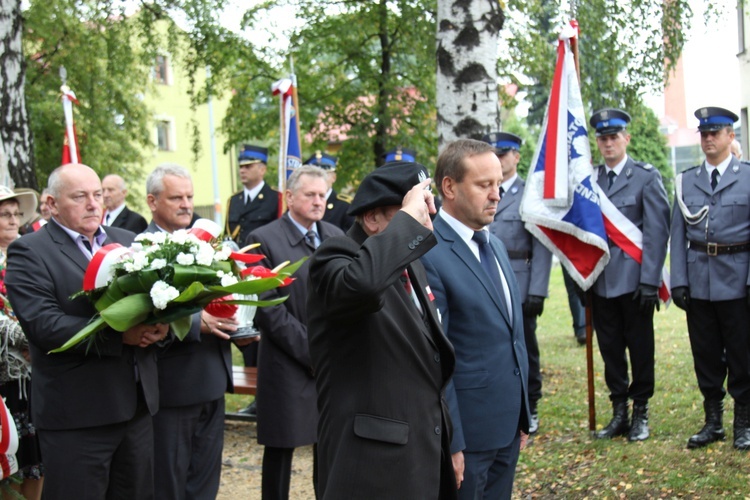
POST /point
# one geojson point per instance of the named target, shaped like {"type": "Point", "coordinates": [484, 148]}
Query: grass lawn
{"type": "Point", "coordinates": [564, 461]}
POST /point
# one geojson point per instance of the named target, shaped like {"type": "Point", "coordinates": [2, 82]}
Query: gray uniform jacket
{"type": "Point", "coordinates": [639, 194]}
{"type": "Point", "coordinates": [720, 277]}
{"type": "Point", "coordinates": [532, 270]}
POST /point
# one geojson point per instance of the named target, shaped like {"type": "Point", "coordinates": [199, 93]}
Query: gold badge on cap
{"type": "Point", "coordinates": [704, 112]}
{"type": "Point", "coordinates": [605, 115]}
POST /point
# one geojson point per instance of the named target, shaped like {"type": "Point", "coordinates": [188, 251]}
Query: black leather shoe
{"type": "Point", "coordinates": [581, 337]}
{"type": "Point", "coordinates": [250, 410]}
{"type": "Point", "coordinates": [742, 427]}
{"type": "Point", "coordinates": [713, 429]}
{"type": "Point", "coordinates": [619, 425]}
{"type": "Point", "coordinates": [639, 423]}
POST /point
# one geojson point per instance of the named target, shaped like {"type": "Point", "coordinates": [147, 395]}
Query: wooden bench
{"type": "Point", "coordinates": [245, 380]}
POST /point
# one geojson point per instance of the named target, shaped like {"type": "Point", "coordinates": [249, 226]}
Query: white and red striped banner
{"type": "Point", "coordinates": [70, 152]}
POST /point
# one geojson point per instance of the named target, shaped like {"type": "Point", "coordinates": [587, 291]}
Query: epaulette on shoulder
{"type": "Point", "coordinates": [344, 197]}
{"type": "Point", "coordinates": [691, 168]}
{"type": "Point", "coordinates": [238, 192]}
{"type": "Point", "coordinates": [644, 165]}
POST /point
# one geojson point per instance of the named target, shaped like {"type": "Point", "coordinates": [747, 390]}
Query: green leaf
{"type": "Point", "coordinates": [181, 326]}
{"type": "Point", "coordinates": [130, 284]}
{"type": "Point", "coordinates": [112, 294]}
{"type": "Point", "coordinates": [259, 303]}
{"type": "Point", "coordinates": [292, 268]}
{"type": "Point", "coordinates": [128, 312]}
{"type": "Point", "coordinates": [190, 293]}
{"type": "Point", "coordinates": [173, 313]}
{"type": "Point", "coordinates": [94, 326]}
{"type": "Point", "coordinates": [249, 287]}
{"type": "Point", "coordinates": [186, 275]}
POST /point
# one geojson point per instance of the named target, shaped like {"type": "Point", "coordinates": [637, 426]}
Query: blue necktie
{"type": "Point", "coordinates": [489, 264]}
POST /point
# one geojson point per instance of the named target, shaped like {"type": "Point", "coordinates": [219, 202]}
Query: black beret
{"type": "Point", "coordinates": [387, 186]}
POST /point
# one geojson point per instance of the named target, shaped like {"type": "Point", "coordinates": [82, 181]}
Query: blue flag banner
{"type": "Point", "coordinates": [561, 204]}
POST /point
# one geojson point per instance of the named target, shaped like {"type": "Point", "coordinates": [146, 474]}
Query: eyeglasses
{"type": "Point", "coordinates": [9, 215]}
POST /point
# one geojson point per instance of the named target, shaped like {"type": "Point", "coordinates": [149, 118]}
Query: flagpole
{"type": "Point", "coordinates": [587, 294]}
{"type": "Point", "coordinates": [282, 156]}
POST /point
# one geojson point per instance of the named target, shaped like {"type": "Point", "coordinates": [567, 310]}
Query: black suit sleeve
{"type": "Point", "coordinates": [32, 287]}
{"type": "Point", "coordinates": [352, 278]}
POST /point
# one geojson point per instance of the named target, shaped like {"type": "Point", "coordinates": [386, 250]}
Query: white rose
{"type": "Point", "coordinates": [162, 293]}
{"type": "Point", "coordinates": [185, 259]}
{"type": "Point", "coordinates": [140, 261]}
{"type": "Point", "coordinates": [158, 263]}
{"type": "Point", "coordinates": [228, 280]}
{"type": "Point", "coordinates": [205, 255]}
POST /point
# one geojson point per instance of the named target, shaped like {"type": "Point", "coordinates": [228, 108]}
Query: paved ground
{"type": "Point", "coordinates": [240, 476]}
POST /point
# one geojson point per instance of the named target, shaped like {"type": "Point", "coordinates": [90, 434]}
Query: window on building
{"type": "Point", "coordinates": [164, 135]}
{"type": "Point", "coordinates": [160, 70]}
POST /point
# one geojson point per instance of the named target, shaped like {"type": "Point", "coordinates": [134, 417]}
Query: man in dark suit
{"type": "Point", "coordinates": [529, 258]}
{"type": "Point", "coordinates": [287, 400]}
{"type": "Point", "coordinates": [625, 293]}
{"type": "Point", "coordinates": [117, 214]}
{"type": "Point", "coordinates": [379, 355]}
{"type": "Point", "coordinates": [710, 262]}
{"type": "Point", "coordinates": [256, 204]}
{"type": "Point", "coordinates": [337, 204]}
{"type": "Point", "coordinates": [194, 374]}
{"type": "Point", "coordinates": [478, 297]}
{"type": "Point", "coordinates": [92, 407]}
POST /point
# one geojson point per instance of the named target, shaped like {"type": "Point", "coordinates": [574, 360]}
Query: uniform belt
{"type": "Point", "coordinates": [719, 248]}
{"type": "Point", "coordinates": [515, 254]}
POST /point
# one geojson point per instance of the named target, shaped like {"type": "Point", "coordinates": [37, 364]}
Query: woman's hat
{"type": "Point", "coordinates": [26, 202]}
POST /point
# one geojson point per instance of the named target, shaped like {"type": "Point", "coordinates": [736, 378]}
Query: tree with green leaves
{"type": "Point", "coordinates": [366, 78]}
{"type": "Point", "coordinates": [109, 53]}
{"type": "Point", "coordinates": [625, 50]}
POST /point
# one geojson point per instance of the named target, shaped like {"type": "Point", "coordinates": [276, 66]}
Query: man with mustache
{"type": "Point", "coordinates": [710, 263]}
{"type": "Point", "coordinates": [478, 297]}
{"type": "Point", "coordinates": [194, 373]}
{"type": "Point", "coordinates": [625, 293]}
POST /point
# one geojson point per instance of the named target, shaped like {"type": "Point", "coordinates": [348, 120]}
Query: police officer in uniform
{"type": "Point", "coordinates": [711, 274]}
{"type": "Point", "coordinates": [256, 204]}
{"type": "Point", "coordinates": [530, 259]}
{"type": "Point", "coordinates": [337, 204]}
{"type": "Point", "coordinates": [400, 154]}
{"type": "Point", "coordinates": [625, 293]}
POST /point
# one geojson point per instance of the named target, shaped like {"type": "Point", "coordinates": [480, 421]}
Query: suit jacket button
{"type": "Point", "coordinates": [516, 371]}
{"type": "Point", "coordinates": [436, 357]}
{"type": "Point", "coordinates": [411, 246]}
{"type": "Point", "coordinates": [419, 237]}
{"type": "Point", "coordinates": [437, 430]}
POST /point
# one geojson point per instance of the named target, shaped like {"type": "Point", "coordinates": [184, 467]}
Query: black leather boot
{"type": "Point", "coordinates": [742, 427]}
{"type": "Point", "coordinates": [619, 425]}
{"type": "Point", "coordinates": [639, 423]}
{"type": "Point", "coordinates": [713, 429]}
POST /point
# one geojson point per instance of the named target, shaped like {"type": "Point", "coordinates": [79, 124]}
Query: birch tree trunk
{"type": "Point", "coordinates": [467, 46]}
{"type": "Point", "coordinates": [15, 130]}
